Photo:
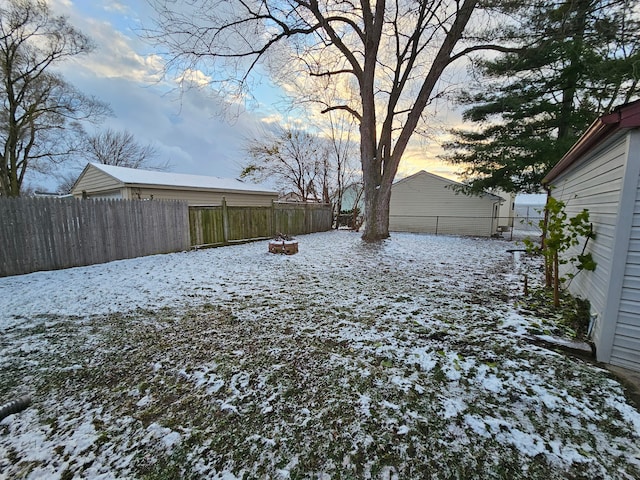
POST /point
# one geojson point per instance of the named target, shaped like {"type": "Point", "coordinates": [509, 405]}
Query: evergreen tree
{"type": "Point", "coordinates": [571, 61]}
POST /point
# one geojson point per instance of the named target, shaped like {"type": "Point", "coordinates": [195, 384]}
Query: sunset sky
{"type": "Point", "coordinates": [187, 130]}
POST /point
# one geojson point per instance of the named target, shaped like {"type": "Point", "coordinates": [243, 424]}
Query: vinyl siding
{"type": "Point", "coordinates": [204, 197]}
{"type": "Point", "coordinates": [418, 201]}
{"type": "Point", "coordinates": [119, 194]}
{"type": "Point", "coordinates": [595, 184]}
{"type": "Point", "coordinates": [99, 184]}
{"type": "Point", "coordinates": [626, 342]}
{"type": "Point", "coordinates": [93, 180]}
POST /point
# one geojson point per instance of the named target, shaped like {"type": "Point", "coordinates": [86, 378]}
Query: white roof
{"type": "Point", "coordinates": [170, 179]}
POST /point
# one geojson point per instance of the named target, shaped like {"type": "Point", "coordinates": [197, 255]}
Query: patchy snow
{"type": "Point", "coordinates": [407, 359]}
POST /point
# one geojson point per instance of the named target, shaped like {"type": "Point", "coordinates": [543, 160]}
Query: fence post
{"type": "Point", "coordinates": [273, 218]}
{"type": "Point", "coordinates": [437, 218]}
{"type": "Point", "coordinates": [225, 221]}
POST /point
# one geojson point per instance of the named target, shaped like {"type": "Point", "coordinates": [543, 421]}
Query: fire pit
{"type": "Point", "coordinates": [283, 244]}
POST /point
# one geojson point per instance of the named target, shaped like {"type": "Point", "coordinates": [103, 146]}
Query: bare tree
{"type": "Point", "coordinates": [41, 115]}
{"type": "Point", "coordinates": [390, 54]}
{"type": "Point", "coordinates": [342, 147]}
{"type": "Point", "coordinates": [120, 148]}
{"type": "Point", "coordinates": [294, 159]}
{"type": "Point", "coordinates": [66, 181]}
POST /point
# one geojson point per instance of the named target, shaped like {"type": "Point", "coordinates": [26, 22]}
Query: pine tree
{"type": "Point", "coordinates": [571, 61]}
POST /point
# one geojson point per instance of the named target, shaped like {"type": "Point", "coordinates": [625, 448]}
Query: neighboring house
{"type": "Point", "coordinates": [506, 212]}
{"type": "Point", "coordinates": [601, 173]}
{"type": "Point", "coordinates": [353, 197]}
{"type": "Point", "coordinates": [427, 203]}
{"type": "Point", "coordinates": [295, 197]}
{"type": "Point", "coordinates": [107, 181]}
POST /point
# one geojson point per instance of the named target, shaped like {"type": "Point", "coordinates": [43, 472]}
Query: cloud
{"type": "Point", "coordinates": [57, 4]}
{"type": "Point", "coordinates": [193, 78]}
{"type": "Point", "coordinates": [116, 57]}
{"type": "Point", "coordinates": [119, 7]}
{"type": "Point", "coordinates": [196, 131]}
{"type": "Point", "coordinates": [193, 129]}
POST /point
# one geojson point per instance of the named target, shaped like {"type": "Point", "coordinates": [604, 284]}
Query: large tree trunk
{"type": "Point", "coordinates": [380, 160]}
{"type": "Point", "coordinates": [574, 71]}
{"type": "Point", "coordinates": [377, 199]}
{"type": "Point", "coordinates": [376, 194]}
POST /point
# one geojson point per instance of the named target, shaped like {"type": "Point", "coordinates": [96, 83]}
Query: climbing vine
{"type": "Point", "coordinates": [559, 234]}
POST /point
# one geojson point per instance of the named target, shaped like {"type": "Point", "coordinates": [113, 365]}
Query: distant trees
{"type": "Point", "coordinates": [113, 147]}
{"type": "Point", "coordinates": [342, 155]}
{"type": "Point", "coordinates": [571, 61]}
{"type": "Point", "coordinates": [293, 159]}
{"type": "Point", "coordinates": [121, 149]}
{"type": "Point", "coordinates": [313, 167]}
{"type": "Point", "coordinates": [41, 115]}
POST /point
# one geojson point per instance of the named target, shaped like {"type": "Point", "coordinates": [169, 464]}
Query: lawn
{"type": "Point", "coordinates": [406, 360]}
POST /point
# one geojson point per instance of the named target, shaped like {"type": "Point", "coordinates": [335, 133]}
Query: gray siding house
{"type": "Point", "coordinates": [107, 181]}
{"type": "Point", "coordinates": [428, 203]}
{"type": "Point", "coordinates": [601, 173]}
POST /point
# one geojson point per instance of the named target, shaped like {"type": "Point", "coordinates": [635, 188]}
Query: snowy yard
{"type": "Point", "coordinates": [406, 360]}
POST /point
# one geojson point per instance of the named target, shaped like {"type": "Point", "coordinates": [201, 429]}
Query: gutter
{"type": "Point", "coordinates": [623, 117]}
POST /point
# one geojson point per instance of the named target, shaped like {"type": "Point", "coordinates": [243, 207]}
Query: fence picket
{"type": "Point", "coordinates": [53, 233]}
{"type": "Point", "coordinates": [212, 226]}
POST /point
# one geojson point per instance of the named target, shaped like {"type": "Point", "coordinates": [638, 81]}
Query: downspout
{"type": "Point", "coordinates": [543, 237]}
{"type": "Point", "coordinates": [15, 406]}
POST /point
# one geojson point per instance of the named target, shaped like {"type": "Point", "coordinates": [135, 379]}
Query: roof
{"type": "Point", "coordinates": [452, 183]}
{"type": "Point", "coordinates": [622, 118]}
{"type": "Point", "coordinates": [135, 176]}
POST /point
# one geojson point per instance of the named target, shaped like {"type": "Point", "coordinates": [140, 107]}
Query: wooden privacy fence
{"type": "Point", "coordinates": [51, 233]}
{"type": "Point", "coordinates": [221, 225]}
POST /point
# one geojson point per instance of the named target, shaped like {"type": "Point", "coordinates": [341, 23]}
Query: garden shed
{"type": "Point", "coordinates": [107, 181]}
{"type": "Point", "coordinates": [428, 203]}
{"type": "Point", "coordinates": [601, 173]}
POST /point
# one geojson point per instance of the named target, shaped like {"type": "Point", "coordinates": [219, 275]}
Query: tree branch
{"type": "Point", "coordinates": [345, 108]}
{"type": "Point", "coordinates": [477, 48]}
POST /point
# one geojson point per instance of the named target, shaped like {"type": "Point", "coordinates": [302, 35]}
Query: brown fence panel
{"type": "Point", "coordinates": [319, 218]}
{"type": "Point", "coordinates": [51, 233]}
{"type": "Point", "coordinates": [221, 225]}
{"type": "Point", "coordinates": [205, 226]}
{"type": "Point", "coordinates": [290, 219]}
{"type": "Point", "coordinates": [247, 223]}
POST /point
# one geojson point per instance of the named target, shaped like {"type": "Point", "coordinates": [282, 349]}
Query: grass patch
{"type": "Point", "coordinates": [414, 374]}
{"type": "Point", "coordinates": [571, 319]}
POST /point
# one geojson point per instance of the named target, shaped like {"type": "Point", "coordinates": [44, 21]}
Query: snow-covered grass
{"type": "Point", "coordinates": [405, 360]}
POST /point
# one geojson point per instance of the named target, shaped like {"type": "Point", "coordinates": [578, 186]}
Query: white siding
{"type": "Point", "coordinates": [93, 181]}
{"type": "Point", "coordinates": [507, 209]}
{"type": "Point", "coordinates": [595, 184]}
{"type": "Point", "coordinates": [99, 184]}
{"type": "Point", "coordinates": [626, 341]}
{"type": "Point", "coordinates": [426, 202]}
{"type": "Point", "coordinates": [205, 198]}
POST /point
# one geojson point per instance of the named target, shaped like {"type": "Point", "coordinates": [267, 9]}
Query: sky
{"type": "Point", "coordinates": [188, 130]}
